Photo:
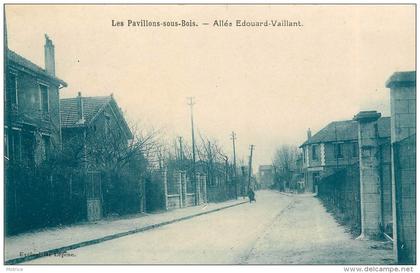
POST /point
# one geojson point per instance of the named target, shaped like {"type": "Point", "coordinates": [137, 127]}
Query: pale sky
{"type": "Point", "coordinates": [267, 84]}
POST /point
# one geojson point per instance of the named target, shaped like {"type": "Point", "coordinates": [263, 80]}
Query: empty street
{"type": "Point", "coordinates": [276, 229]}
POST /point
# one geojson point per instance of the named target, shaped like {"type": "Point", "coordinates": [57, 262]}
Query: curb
{"type": "Point", "coordinates": [63, 249]}
{"type": "Point", "coordinates": [298, 194]}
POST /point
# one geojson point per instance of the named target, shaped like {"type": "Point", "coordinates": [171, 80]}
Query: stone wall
{"type": "Point", "coordinates": [190, 199]}
{"type": "Point", "coordinates": [173, 201]}
{"type": "Point", "coordinates": [403, 130]}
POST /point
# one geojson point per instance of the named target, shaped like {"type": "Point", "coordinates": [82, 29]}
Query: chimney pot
{"type": "Point", "coordinates": [309, 133]}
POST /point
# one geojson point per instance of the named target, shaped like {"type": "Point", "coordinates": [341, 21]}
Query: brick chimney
{"type": "Point", "coordinates": [49, 56]}
{"type": "Point", "coordinates": [309, 133]}
{"type": "Point", "coordinates": [80, 109]}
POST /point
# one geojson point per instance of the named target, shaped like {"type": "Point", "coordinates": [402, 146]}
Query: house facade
{"type": "Point", "coordinates": [32, 136]}
{"type": "Point", "coordinates": [95, 132]}
{"type": "Point", "coordinates": [335, 147]}
{"type": "Point", "coordinates": [32, 115]}
{"type": "Point", "coordinates": [265, 176]}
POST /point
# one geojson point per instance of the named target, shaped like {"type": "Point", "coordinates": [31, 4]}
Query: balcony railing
{"type": "Point", "coordinates": [33, 117]}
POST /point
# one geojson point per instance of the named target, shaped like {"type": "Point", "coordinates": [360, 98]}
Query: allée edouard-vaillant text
{"type": "Point", "coordinates": [215, 23]}
{"type": "Point", "coordinates": [262, 23]}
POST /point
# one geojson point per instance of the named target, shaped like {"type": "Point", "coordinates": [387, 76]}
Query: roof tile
{"type": "Point", "coordinates": [69, 110]}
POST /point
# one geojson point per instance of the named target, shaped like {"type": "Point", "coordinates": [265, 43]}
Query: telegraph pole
{"type": "Point", "coordinates": [250, 166]}
{"type": "Point", "coordinates": [191, 104]}
{"type": "Point", "coordinates": [181, 153]}
{"type": "Point", "coordinates": [233, 137]}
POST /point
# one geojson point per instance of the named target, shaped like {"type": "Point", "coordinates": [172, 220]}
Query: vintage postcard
{"type": "Point", "coordinates": [210, 134]}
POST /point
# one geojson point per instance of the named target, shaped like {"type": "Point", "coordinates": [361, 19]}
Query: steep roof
{"type": "Point", "coordinates": [92, 107]}
{"type": "Point", "coordinates": [346, 130]}
{"type": "Point", "coordinates": [16, 59]}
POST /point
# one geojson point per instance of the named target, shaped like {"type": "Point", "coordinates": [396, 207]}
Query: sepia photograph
{"type": "Point", "coordinates": [209, 134]}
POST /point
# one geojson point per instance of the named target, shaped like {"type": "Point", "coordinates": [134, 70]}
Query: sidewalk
{"type": "Point", "coordinates": [307, 234]}
{"type": "Point", "coordinates": [31, 245]}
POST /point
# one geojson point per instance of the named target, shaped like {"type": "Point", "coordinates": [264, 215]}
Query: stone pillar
{"type": "Point", "coordinates": [165, 187]}
{"type": "Point", "coordinates": [203, 177]}
{"type": "Point", "coordinates": [403, 125]}
{"type": "Point", "coordinates": [370, 184]}
{"type": "Point", "coordinates": [198, 192]}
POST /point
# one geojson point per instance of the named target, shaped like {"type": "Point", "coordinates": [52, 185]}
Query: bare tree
{"type": "Point", "coordinates": [284, 162]}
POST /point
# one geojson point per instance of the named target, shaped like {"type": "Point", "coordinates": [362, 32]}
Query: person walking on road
{"type": "Point", "coordinates": [251, 195]}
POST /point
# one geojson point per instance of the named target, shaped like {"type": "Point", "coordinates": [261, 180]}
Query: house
{"type": "Point", "coordinates": [265, 176]}
{"type": "Point", "coordinates": [96, 133]}
{"type": "Point", "coordinates": [334, 147]}
{"type": "Point", "coordinates": [32, 115]}
{"type": "Point", "coordinates": [32, 136]}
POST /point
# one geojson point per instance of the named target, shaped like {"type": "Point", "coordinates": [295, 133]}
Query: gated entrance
{"type": "Point", "coordinates": [93, 196]}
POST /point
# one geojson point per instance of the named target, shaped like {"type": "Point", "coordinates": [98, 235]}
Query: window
{"type": "Point", "coordinates": [28, 147]}
{"type": "Point", "coordinates": [355, 149]}
{"type": "Point", "coordinates": [44, 98]}
{"type": "Point", "coordinates": [338, 150]}
{"type": "Point", "coordinates": [12, 93]}
{"type": "Point", "coordinates": [315, 152]}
